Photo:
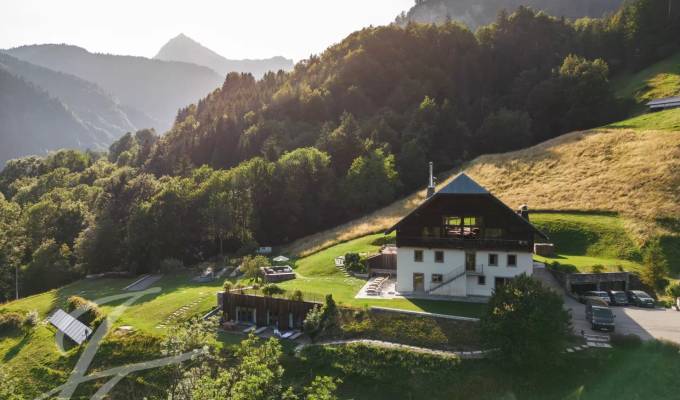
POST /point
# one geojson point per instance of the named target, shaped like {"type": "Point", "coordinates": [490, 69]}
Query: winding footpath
{"type": "Point", "coordinates": [398, 346]}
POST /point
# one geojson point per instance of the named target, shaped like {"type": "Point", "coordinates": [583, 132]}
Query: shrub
{"type": "Point", "coordinates": [527, 323]}
{"type": "Point", "coordinates": [628, 341]}
{"type": "Point", "coordinates": [312, 323]}
{"type": "Point", "coordinates": [227, 286]}
{"type": "Point", "coordinates": [353, 263]}
{"type": "Point", "coordinates": [272, 290]}
{"type": "Point", "coordinates": [10, 322]}
{"type": "Point", "coordinates": [656, 267]}
{"type": "Point", "coordinates": [251, 266]}
{"type": "Point", "coordinates": [31, 319]}
{"type": "Point", "coordinates": [169, 265]}
{"type": "Point", "coordinates": [297, 296]}
{"type": "Point", "coordinates": [674, 290]}
{"type": "Point", "coordinates": [91, 316]}
{"type": "Point", "coordinates": [597, 269]}
{"type": "Point", "coordinates": [565, 268]}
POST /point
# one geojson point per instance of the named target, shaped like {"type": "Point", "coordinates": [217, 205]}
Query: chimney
{"type": "Point", "coordinates": [523, 211]}
{"type": "Point", "coordinates": [430, 185]}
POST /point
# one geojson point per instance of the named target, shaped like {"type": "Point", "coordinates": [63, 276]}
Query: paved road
{"type": "Point", "coordinates": [644, 322]}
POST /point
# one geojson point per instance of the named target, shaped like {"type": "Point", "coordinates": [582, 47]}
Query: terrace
{"type": "Point", "coordinates": [277, 273]}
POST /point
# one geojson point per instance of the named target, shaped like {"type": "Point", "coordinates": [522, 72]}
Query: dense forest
{"type": "Point", "coordinates": [475, 13]}
{"type": "Point", "coordinates": [268, 161]}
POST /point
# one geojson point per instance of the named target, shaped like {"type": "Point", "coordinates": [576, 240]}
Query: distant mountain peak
{"type": "Point", "coordinates": [185, 49]}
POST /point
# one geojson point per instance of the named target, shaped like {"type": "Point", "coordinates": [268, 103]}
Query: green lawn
{"type": "Point", "coordinates": [667, 120]}
{"type": "Point", "coordinates": [584, 240]}
{"type": "Point", "coordinates": [659, 80]}
{"type": "Point", "coordinates": [317, 274]}
{"type": "Point", "coordinates": [647, 372]}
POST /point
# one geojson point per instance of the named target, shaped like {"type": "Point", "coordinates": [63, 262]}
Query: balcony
{"type": "Point", "coordinates": [465, 243]}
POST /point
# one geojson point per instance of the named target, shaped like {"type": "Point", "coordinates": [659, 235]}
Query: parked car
{"type": "Point", "coordinates": [594, 294]}
{"type": "Point", "coordinates": [618, 298]}
{"type": "Point", "coordinates": [640, 299]}
{"type": "Point", "coordinates": [600, 316]}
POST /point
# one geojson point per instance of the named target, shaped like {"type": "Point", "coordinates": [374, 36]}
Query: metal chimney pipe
{"type": "Point", "coordinates": [430, 185]}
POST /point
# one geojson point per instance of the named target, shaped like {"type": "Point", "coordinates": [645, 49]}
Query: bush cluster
{"type": "Point", "coordinates": [11, 322]}
{"type": "Point", "coordinates": [91, 316]}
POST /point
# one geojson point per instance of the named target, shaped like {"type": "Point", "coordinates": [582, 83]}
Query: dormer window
{"type": "Point", "coordinates": [462, 226]}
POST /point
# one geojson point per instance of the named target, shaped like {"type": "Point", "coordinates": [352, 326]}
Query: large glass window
{"type": "Point", "coordinates": [462, 226]}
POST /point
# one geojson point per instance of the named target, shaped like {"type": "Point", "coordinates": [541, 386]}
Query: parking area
{"type": "Point", "coordinates": [644, 322]}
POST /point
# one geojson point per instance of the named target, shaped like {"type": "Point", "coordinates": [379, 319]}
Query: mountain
{"type": "Point", "coordinates": [475, 13]}
{"type": "Point", "coordinates": [426, 91]}
{"type": "Point", "coordinates": [89, 103]}
{"type": "Point", "coordinates": [154, 87]}
{"type": "Point", "coordinates": [32, 122]}
{"type": "Point", "coordinates": [183, 48]}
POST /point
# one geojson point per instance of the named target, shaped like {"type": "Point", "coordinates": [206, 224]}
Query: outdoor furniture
{"type": "Point", "coordinates": [260, 330]}
{"type": "Point", "coordinates": [248, 329]}
{"type": "Point", "coordinates": [287, 334]}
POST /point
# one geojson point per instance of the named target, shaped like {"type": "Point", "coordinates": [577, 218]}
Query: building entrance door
{"type": "Point", "coordinates": [470, 261]}
{"type": "Point", "coordinates": [418, 282]}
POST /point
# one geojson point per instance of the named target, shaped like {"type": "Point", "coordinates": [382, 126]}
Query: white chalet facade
{"type": "Point", "coordinates": [462, 241]}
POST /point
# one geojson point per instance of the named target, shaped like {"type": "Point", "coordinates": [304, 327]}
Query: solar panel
{"type": "Point", "coordinates": [71, 327]}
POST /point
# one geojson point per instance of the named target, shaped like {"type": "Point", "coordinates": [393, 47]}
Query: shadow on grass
{"type": "Point", "coordinates": [14, 351]}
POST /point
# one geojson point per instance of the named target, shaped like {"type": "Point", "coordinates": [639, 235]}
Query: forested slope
{"type": "Point", "coordinates": [475, 13]}
{"type": "Point", "coordinates": [47, 126]}
{"type": "Point", "coordinates": [266, 162]}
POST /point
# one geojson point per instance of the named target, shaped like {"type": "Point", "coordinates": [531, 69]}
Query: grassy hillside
{"type": "Point", "coordinates": [585, 240]}
{"type": "Point", "coordinates": [630, 172]}
{"type": "Point", "coordinates": [659, 80]}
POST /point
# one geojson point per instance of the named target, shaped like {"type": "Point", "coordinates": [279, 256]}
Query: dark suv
{"type": "Point", "coordinates": [640, 299]}
{"type": "Point", "coordinates": [618, 298]}
{"type": "Point", "coordinates": [600, 316]}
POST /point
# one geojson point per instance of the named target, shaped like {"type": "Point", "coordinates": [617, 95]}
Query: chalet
{"type": "Point", "coordinates": [462, 241]}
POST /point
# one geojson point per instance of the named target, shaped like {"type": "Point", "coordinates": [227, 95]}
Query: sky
{"type": "Point", "coordinates": [235, 29]}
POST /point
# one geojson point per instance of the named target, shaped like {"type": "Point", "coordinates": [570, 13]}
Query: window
{"type": "Point", "coordinates": [470, 221]}
{"type": "Point", "coordinates": [452, 221]}
{"type": "Point", "coordinates": [481, 280]}
{"type": "Point", "coordinates": [439, 256]}
{"type": "Point", "coordinates": [493, 260]}
{"type": "Point", "coordinates": [437, 278]}
{"type": "Point", "coordinates": [512, 260]}
{"type": "Point", "coordinates": [418, 256]}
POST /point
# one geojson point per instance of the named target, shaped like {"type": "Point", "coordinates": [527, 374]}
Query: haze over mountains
{"type": "Point", "coordinates": [183, 48]}
{"type": "Point", "coordinates": [475, 13]}
{"type": "Point", "coordinates": [157, 88]}
{"type": "Point", "coordinates": [32, 122]}
{"type": "Point", "coordinates": [88, 100]}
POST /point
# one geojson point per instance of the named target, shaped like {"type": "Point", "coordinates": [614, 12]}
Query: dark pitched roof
{"type": "Point", "coordinates": [462, 184]}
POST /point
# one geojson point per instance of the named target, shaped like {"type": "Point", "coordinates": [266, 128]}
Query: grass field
{"type": "Point", "coordinates": [585, 240]}
{"type": "Point", "coordinates": [632, 172]}
{"type": "Point", "coordinates": [659, 80]}
{"type": "Point", "coordinates": [667, 120]}
{"type": "Point", "coordinates": [647, 372]}
{"type": "Point", "coordinates": [317, 274]}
